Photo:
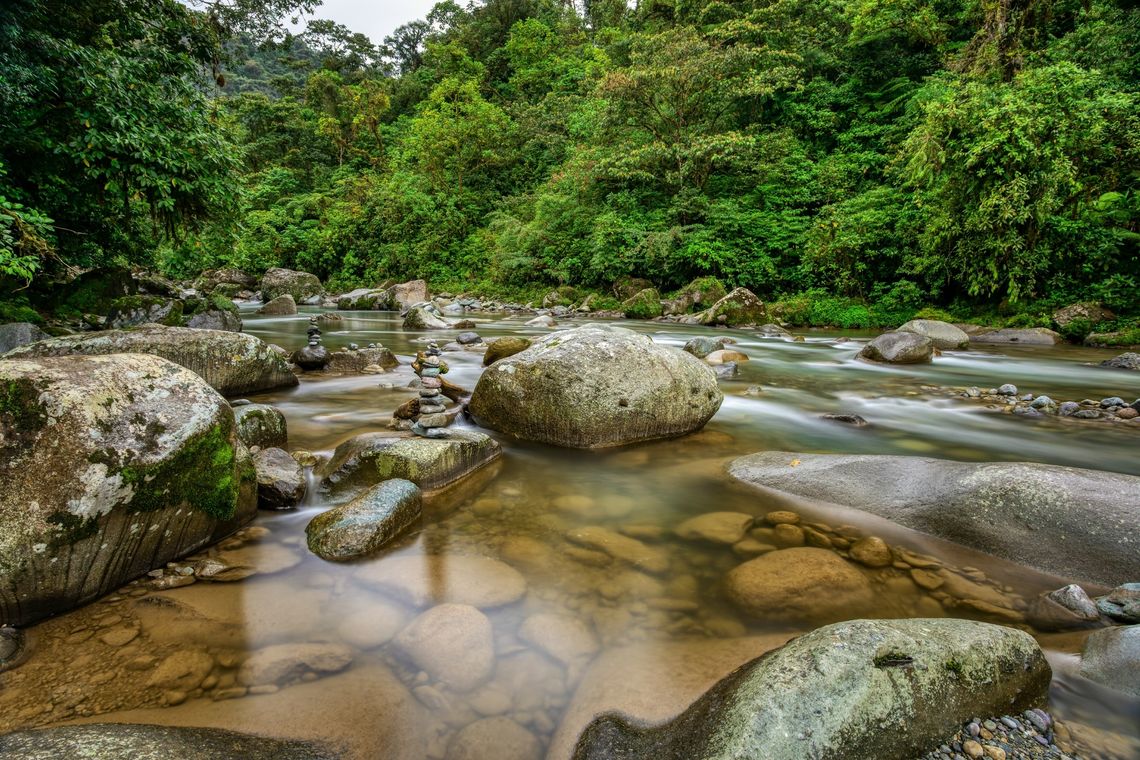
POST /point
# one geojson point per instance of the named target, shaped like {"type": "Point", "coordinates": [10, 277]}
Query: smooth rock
{"type": "Point", "coordinates": [942, 334]}
{"type": "Point", "coordinates": [300, 285]}
{"type": "Point", "coordinates": [567, 639]}
{"type": "Point", "coordinates": [1122, 604]}
{"type": "Point", "coordinates": [437, 578]}
{"type": "Point", "coordinates": [453, 643]}
{"type": "Point", "coordinates": [1061, 520]}
{"type": "Point", "coordinates": [280, 480]}
{"type": "Point", "coordinates": [740, 307]}
{"type": "Point", "coordinates": [106, 741]}
{"type": "Point", "coordinates": [494, 739]}
{"type": "Point", "coordinates": [724, 356]}
{"type": "Point", "coordinates": [367, 523]}
{"type": "Point", "coordinates": [281, 306]}
{"type": "Point", "coordinates": [899, 348]}
{"type": "Point", "coordinates": [702, 346]}
{"type": "Point", "coordinates": [501, 348]}
{"type": "Point", "coordinates": [716, 527]}
{"type": "Point", "coordinates": [281, 663]}
{"type": "Point", "coordinates": [16, 334]}
{"type": "Point", "coordinates": [1036, 336]}
{"type": "Point", "coordinates": [1112, 657]}
{"type": "Point", "coordinates": [629, 550]}
{"type": "Point", "coordinates": [871, 551]}
{"type": "Point", "coordinates": [799, 584]}
{"type": "Point", "coordinates": [366, 459]}
{"type": "Point", "coordinates": [420, 318]}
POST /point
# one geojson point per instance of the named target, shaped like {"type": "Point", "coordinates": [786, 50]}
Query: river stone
{"type": "Point", "coordinates": [899, 348]}
{"type": "Point", "coordinates": [941, 334]}
{"type": "Point", "coordinates": [350, 362]}
{"type": "Point", "coordinates": [567, 639]}
{"type": "Point", "coordinates": [1112, 657]}
{"type": "Point", "coordinates": [494, 739]}
{"type": "Point", "coordinates": [890, 690]}
{"type": "Point", "coordinates": [280, 480]}
{"type": "Point", "coordinates": [182, 671]}
{"type": "Point", "coordinates": [405, 294]}
{"type": "Point", "coordinates": [281, 306]}
{"type": "Point", "coordinates": [311, 357]}
{"type": "Point", "coordinates": [420, 318]}
{"type": "Point", "coordinates": [1128, 360]}
{"type": "Point", "coordinates": [1122, 604]}
{"type": "Point", "coordinates": [112, 466]}
{"type": "Point", "coordinates": [426, 579]}
{"type": "Point", "coordinates": [1063, 609]}
{"type": "Point", "coordinates": [740, 307]}
{"type": "Point", "coordinates": [105, 741]}
{"type": "Point", "coordinates": [233, 363]}
{"type": "Point", "coordinates": [799, 584]}
{"type": "Point", "coordinates": [717, 527]}
{"type": "Point", "coordinates": [300, 285]}
{"type": "Point", "coordinates": [212, 278]}
{"type": "Point", "coordinates": [725, 356]}
{"type": "Point", "coordinates": [1035, 336]}
{"type": "Point", "coordinates": [261, 425]}
{"type": "Point", "coordinates": [623, 548]}
{"type": "Point", "coordinates": [19, 334]}
{"type": "Point", "coordinates": [501, 348]}
{"type": "Point", "coordinates": [280, 663]}
{"type": "Point", "coordinates": [369, 458]}
{"type": "Point", "coordinates": [871, 551]}
{"type": "Point", "coordinates": [367, 523]}
{"type": "Point", "coordinates": [216, 319]}
{"type": "Point", "coordinates": [372, 625]}
{"type": "Point", "coordinates": [453, 643]}
{"type": "Point", "coordinates": [1062, 520]}
{"type": "Point", "coordinates": [702, 346]}
{"type": "Point", "coordinates": [573, 388]}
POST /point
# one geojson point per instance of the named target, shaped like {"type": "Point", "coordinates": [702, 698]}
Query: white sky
{"type": "Point", "coordinates": [375, 18]}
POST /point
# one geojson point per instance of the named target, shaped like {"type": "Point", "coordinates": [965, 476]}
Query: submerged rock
{"type": "Point", "coordinates": [941, 334]}
{"type": "Point", "coordinates": [437, 578]}
{"type": "Point", "coordinates": [596, 386]}
{"type": "Point", "coordinates": [280, 480]}
{"type": "Point", "coordinates": [799, 584]}
{"type": "Point", "coordinates": [832, 692]}
{"type": "Point", "coordinates": [1061, 520]}
{"type": "Point", "coordinates": [233, 363]}
{"type": "Point", "coordinates": [113, 466]}
{"type": "Point", "coordinates": [367, 523]}
{"type": "Point", "coordinates": [454, 643]}
{"type": "Point", "coordinates": [499, 738]}
{"type": "Point", "coordinates": [261, 425]}
{"type": "Point", "coordinates": [1112, 657]}
{"type": "Point", "coordinates": [282, 663]}
{"type": "Point", "coordinates": [369, 458]}
{"type": "Point", "coordinates": [144, 742]}
{"type": "Point", "coordinates": [899, 348]}
{"type": "Point", "coordinates": [302, 286]}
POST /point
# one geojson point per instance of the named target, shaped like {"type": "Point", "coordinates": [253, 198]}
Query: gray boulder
{"type": "Point", "coordinates": [899, 348]}
{"type": "Point", "coordinates": [281, 306]}
{"type": "Point", "coordinates": [280, 480]}
{"type": "Point", "coordinates": [300, 285]}
{"type": "Point", "coordinates": [1112, 657]}
{"type": "Point", "coordinates": [367, 459]}
{"type": "Point", "coordinates": [216, 319]}
{"type": "Point", "coordinates": [423, 317]}
{"type": "Point", "coordinates": [107, 741]}
{"type": "Point", "coordinates": [740, 307]}
{"type": "Point", "coordinates": [1086, 311]}
{"type": "Point", "coordinates": [113, 466]}
{"type": "Point", "coordinates": [367, 523]}
{"type": "Point", "coordinates": [702, 346]}
{"type": "Point", "coordinates": [596, 386]}
{"type": "Point", "coordinates": [941, 334]}
{"type": "Point", "coordinates": [1122, 604]}
{"type": "Point", "coordinates": [232, 363]}
{"type": "Point", "coordinates": [212, 278]}
{"type": "Point", "coordinates": [1061, 520]}
{"type": "Point", "coordinates": [891, 690]}
{"type": "Point", "coordinates": [353, 362]}
{"type": "Point", "coordinates": [129, 311]}
{"type": "Point", "coordinates": [19, 334]}
{"type": "Point", "coordinates": [405, 294]}
{"type": "Point", "coordinates": [1127, 360]}
{"type": "Point", "coordinates": [261, 425]}
{"type": "Point", "coordinates": [1035, 336]}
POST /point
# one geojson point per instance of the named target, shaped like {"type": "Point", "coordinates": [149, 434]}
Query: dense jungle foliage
{"type": "Point", "coordinates": [863, 158]}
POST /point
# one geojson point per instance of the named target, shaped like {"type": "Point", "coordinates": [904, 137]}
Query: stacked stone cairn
{"type": "Point", "coordinates": [432, 417]}
{"type": "Point", "coordinates": [313, 356]}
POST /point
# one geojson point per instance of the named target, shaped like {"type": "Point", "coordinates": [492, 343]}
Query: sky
{"type": "Point", "coordinates": [375, 18]}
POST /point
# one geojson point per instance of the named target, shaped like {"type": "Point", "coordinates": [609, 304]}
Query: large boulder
{"type": "Point", "coordinates": [130, 311]}
{"type": "Point", "coordinates": [301, 285]}
{"type": "Point", "coordinates": [625, 287]}
{"type": "Point", "coordinates": [216, 319]}
{"type": "Point", "coordinates": [261, 425]}
{"type": "Point", "coordinates": [363, 299]}
{"type": "Point", "coordinates": [231, 362]}
{"type": "Point", "coordinates": [891, 690]}
{"type": "Point", "coordinates": [280, 480]}
{"type": "Point", "coordinates": [1128, 360]}
{"type": "Point", "coordinates": [899, 348]}
{"type": "Point", "coordinates": [800, 584]}
{"type": "Point", "coordinates": [425, 317]}
{"type": "Point", "coordinates": [281, 306]}
{"type": "Point", "coordinates": [105, 741]}
{"type": "Point", "coordinates": [704, 291]}
{"type": "Point", "coordinates": [112, 466]}
{"type": "Point", "coordinates": [1034, 336]}
{"type": "Point", "coordinates": [1065, 521]}
{"type": "Point", "coordinates": [1112, 657]}
{"type": "Point", "coordinates": [212, 278]}
{"type": "Point", "coordinates": [941, 334]}
{"type": "Point", "coordinates": [596, 386]}
{"type": "Point", "coordinates": [367, 523]}
{"type": "Point", "coordinates": [406, 294]}
{"type": "Point", "coordinates": [353, 362]}
{"type": "Point", "coordinates": [1086, 311]}
{"type": "Point", "coordinates": [740, 307]}
{"type": "Point", "coordinates": [645, 304]}
{"type": "Point", "coordinates": [19, 334]}
{"type": "Point", "coordinates": [430, 463]}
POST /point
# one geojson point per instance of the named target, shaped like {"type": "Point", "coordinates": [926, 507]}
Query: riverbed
{"type": "Point", "coordinates": [589, 632]}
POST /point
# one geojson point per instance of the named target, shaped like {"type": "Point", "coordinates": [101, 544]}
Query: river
{"type": "Point", "coordinates": [621, 639]}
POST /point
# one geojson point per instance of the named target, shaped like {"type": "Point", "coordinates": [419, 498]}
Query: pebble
{"type": "Point", "coordinates": [782, 517]}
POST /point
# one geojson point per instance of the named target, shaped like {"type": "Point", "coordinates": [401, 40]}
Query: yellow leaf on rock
{"type": "Point", "coordinates": [795, 463]}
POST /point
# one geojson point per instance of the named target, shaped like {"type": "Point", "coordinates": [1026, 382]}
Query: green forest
{"type": "Point", "coordinates": [858, 161]}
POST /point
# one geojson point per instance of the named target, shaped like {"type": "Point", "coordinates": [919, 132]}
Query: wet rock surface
{"type": "Point", "coordinates": [142, 742]}
{"type": "Point", "coordinates": [899, 348]}
{"type": "Point", "coordinates": [261, 425]}
{"type": "Point", "coordinates": [280, 480]}
{"type": "Point", "coordinates": [16, 334]}
{"type": "Point", "coordinates": [366, 523]}
{"type": "Point", "coordinates": [941, 334]}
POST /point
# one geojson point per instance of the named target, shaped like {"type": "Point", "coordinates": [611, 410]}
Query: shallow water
{"type": "Point", "coordinates": [592, 631]}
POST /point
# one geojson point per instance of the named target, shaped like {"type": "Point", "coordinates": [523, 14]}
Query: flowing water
{"type": "Point", "coordinates": [591, 631]}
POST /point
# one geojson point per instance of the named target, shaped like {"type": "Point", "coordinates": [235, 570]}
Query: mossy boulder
{"type": "Point", "coordinates": [425, 317]}
{"type": "Point", "coordinates": [130, 311]}
{"type": "Point", "coordinates": [501, 348]}
{"type": "Point", "coordinates": [740, 307]}
{"type": "Point", "coordinates": [830, 693]}
{"type": "Point", "coordinates": [364, 299]}
{"type": "Point", "coordinates": [213, 312]}
{"type": "Point", "coordinates": [431, 463]}
{"type": "Point", "coordinates": [561, 296]}
{"type": "Point", "coordinates": [113, 466]}
{"type": "Point", "coordinates": [232, 363]}
{"type": "Point", "coordinates": [236, 280]}
{"type": "Point", "coordinates": [261, 425]}
{"type": "Point", "coordinates": [700, 293]}
{"type": "Point", "coordinates": [367, 523]}
{"type": "Point", "coordinates": [301, 285]}
{"type": "Point", "coordinates": [281, 306]}
{"type": "Point", "coordinates": [596, 386]}
{"type": "Point", "coordinates": [627, 287]}
{"type": "Point", "coordinates": [645, 304]}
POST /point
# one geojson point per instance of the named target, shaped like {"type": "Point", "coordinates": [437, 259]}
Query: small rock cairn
{"type": "Point", "coordinates": [314, 355]}
{"type": "Point", "coordinates": [432, 417]}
